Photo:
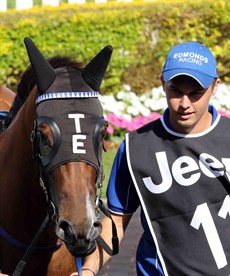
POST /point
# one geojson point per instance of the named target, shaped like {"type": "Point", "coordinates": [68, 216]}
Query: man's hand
{"type": "Point", "coordinates": [85, 272]}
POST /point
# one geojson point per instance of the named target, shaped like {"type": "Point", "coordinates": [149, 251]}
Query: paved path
{"type": "Point", "coordinates": [123, 264]}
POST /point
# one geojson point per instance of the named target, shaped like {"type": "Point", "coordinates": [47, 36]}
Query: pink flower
{"type": "Point", "coordinates": [225, 113]}
{"type": "Point", "coordinates": [118, 125]}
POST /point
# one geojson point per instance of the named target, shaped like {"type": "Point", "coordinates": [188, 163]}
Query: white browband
{"type": "Point", "coordinates": [66, 95]}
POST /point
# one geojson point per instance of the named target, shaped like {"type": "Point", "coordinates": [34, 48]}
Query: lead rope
{"type": "Point", "coordinates": [79, 265]}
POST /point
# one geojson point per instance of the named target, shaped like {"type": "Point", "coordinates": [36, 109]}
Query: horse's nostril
{"type": "Point", "coordinates": [97, 224]}
{"type": "Point", "coordinates": [96, 230]}
{"type": "Point", "coordinates": [67, 229]}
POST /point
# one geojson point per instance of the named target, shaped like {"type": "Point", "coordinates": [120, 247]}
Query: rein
{"type": "Point", "coordinates": [100, 206]}
{"type": "Point", "coordinates": [115, 240]}
{"type": "Point", "coordinates": [21, 265]}
{"type": "Point", "coordinates": [22, 246]}
{"type": "Point", "coordinates": [51, 213]}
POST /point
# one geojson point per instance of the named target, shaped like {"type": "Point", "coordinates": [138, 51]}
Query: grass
{"type": "Point", "coordinates": [107, 161]}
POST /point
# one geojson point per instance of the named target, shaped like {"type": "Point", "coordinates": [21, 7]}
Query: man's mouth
{"type": "Point", "coordinates": [185, 116]}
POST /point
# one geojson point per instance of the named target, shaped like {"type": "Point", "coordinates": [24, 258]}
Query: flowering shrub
{"type": "Point", "coordinates": [128, 111]}
{"type": "Point", "coordinates": [120, 125]}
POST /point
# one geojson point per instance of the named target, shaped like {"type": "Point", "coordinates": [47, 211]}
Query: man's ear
{"type": "Point", "coordinates": [162, 81]}
{"type": "Point", "coordinates": [215, 86]}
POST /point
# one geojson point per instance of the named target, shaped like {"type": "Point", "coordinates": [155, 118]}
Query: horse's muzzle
{"type": "Point", "coordinates": [80, 242]}
{"type": "Point", "coordinates": [81, 248]}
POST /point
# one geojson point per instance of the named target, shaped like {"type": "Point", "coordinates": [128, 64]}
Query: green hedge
{"type": "Point", "coordinates": [140, 33]}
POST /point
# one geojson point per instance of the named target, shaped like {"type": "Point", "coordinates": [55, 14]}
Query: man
{"type": "Point", "coordinates": [178, 169]}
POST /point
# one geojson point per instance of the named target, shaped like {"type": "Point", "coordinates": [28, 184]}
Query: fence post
{"type": "Point", "coordinates": [76, 1]}
{"type": "Point", "coordinates": [100, 1]}
{"type": "Point", "coordinates": [22, 4]}
{"type": "Point", "coordinates": [51, 2]}
{"type": "Point", "coordinates": [3, 5]}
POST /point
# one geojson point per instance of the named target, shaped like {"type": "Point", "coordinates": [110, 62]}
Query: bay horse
{"type": "Point", "coordinates": [50, 160]}
{"type": "Point", "coordinates": [6, 98]}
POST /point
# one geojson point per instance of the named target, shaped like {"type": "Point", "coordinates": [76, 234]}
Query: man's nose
{"type": "Point", "coordinates": [185, 101]}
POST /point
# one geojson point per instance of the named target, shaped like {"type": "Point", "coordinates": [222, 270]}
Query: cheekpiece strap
{"type": "Point", "coordinates": [66, 95]}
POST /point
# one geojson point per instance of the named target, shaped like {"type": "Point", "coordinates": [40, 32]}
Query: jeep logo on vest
{"type": "Point", "coordinates": [186, 171]}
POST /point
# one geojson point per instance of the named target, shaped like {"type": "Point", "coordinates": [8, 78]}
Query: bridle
{"type": "Point", "coordinates": [61, 83]}
{"type": "Point", "coordinates": [52, 211]}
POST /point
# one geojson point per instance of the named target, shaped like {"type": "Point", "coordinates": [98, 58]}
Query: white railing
{"type": "Point", "coordinates": [28, 4]}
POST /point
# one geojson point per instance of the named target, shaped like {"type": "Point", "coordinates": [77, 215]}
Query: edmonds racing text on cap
{"type": "Point", "coordinates": [192, 59]}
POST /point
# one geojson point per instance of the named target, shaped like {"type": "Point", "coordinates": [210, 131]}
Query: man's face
{"type": "Point", "coordinates": [188, 104]}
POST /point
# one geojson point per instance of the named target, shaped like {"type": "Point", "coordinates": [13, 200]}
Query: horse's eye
{"type": "Point", "coordinates": [45, 144]}
{"type": "Point", "coordinates": [103, 134]}
{"type": "Point", "coordinates": [46, 135]}
{"type": "Point", "coordinates": [104, 129]}
{"type": "Point", "coordinates": [44, 138]}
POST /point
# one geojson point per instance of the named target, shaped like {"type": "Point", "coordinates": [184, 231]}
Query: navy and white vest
{"type": "Point", "coordinates": [183, 182]}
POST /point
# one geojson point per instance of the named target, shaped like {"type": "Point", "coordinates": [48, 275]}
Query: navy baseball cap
{"type": "Point", "coordinates": [192, 59]}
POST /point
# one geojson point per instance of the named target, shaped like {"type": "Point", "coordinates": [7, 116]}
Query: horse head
{"type": "Point", "coordinates": [68, 142]}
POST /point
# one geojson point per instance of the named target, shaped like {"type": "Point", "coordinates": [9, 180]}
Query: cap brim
{"type": "Point", "coordinates": [202, 79]}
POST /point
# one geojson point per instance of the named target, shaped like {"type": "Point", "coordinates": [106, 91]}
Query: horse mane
{"type": "Point", "coordinates": [27, 81]}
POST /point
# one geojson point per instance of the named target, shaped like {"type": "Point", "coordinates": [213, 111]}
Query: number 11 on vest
{"type": "Point", "coordinates": [202, 217]}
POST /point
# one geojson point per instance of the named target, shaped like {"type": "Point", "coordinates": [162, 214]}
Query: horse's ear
{"type": "Point", "coordinates": [44, 72]}
{"type": "Point", "coordinates": [94, 71]}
